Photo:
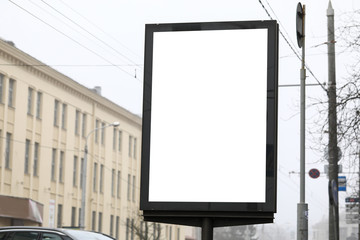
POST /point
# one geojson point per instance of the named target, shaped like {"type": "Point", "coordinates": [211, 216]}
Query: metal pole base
{"type": "Point", "coordinates": [302, 221]}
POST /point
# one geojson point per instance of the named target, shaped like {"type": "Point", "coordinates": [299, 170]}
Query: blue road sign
{"type": "Point", "coordinates": [342, 183]}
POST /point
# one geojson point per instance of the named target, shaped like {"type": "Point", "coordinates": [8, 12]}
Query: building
{"type": "Point", "coordinates": [348, 229]}
{"type": "Point", "coordinates": [46, 119]}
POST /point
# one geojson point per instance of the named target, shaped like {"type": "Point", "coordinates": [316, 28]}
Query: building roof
{"type": "Point", "coordinates": [25, 61]}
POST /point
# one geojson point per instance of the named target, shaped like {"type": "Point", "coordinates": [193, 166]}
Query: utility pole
{"type": "Point", "coordinates": [302, 208]}
{"type": "Point", "coordinates": [332, 148]}
{"type": "Point", "coordinates": [358, 203]}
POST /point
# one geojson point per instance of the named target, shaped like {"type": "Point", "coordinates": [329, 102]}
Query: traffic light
{"type": "Point", "coordinates": [300, 16]}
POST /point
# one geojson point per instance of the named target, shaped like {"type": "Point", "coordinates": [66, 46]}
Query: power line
{"type": "Point", "coordinates": [91, 34]}
{"type": "Point", "coordinates": [107, 34]}
{"type": "Point", "coordinates": [65, 65]}
{"type": "Point", "coordinates": [72, 39]}
{"type": "Point", "coordinates": [291, 46]}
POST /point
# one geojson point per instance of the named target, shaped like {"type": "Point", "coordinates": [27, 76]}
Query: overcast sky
{"type": "Point", "coordinates": [101, 43]}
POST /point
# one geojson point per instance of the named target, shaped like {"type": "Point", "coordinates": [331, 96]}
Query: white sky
{"type": "Point", "coordinates": [121, 25]}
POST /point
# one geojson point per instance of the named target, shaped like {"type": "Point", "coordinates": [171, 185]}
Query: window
{"type": "Point", "coordinates": [11, 92]}
{"type": "Point", "coordinates": [113, 182]}
{"type": "Point", "coordinates": [1, 87]}
{"type": "Point", "coordinates": [79, 216]}
{"type": "Point", "coordinates": [114, 139]}
{"type": "Point", "coordinates": [56, 113]}
{"type": "Point", "coordinates": [111, 225]}
{"type": "Point", "coordinates": [129, 187]}
{"type": "Point", "coordinates": [117, 227]}
{"type": "Point", "coordinates": [81, 172]}
{"type": "Point", "coordinates": [77, 119]}
{"type": "Point", "coordinates": [100, 222]}
{"type": "Point", "coordinates": [51, 236]}
{"type": "Point", "coordinates": [134, 153]}
{"type": "Point", "coordinates": [63, 116]}
{"type": "Point", "coordinates": [155, 233]}
{"type": "Point", "coordinates": [27, 150]}
{"type": "Point", "coordinates": [97, 131]}
{"type": "Point", "coordinates": [83, 126]}
{"type": "Point", "coordinates": [93, 222]}
{"type": "Point", "coordinates": [130, 145]}
{"type": "Point", "coordinates": [127, 228]}
{"type": "Point", "coordinates": [59, 215]}
{"type": "Point", "coordinates": [73, 216]}
{"type": "Point", "coordinates": [61, 167]}
{"type": "Point", "coordinates": [38, 105]}
{"type": "Point", "coordinates": [53, 164]}
{"type": "Point", "coordinates": [146, 230]}
{"type": "Point", "coordinates": [30, 101]}
{"type": "Point", "coordinates": [102, 133]}
{"type": "Point", "coordinates": [170, 232]}
{"type": "Point", "coordinates": [132, 229]}
{"type": "Point", "coordinates": [141, 228]}
{"type": "Point", "coordinates": [101, 178]}
{"type": "Point", "coordinates": [25, 235]}
{"type": "Point", "coordinates": [36, 159]}
{"type": "Point", "coordinates": [133, 188]}
{"type": "Point", "coordinates": [75, 171]}
{"type": "Point", "coordinates": [95, 178]}
{"type": "Point", "coordinates": [118, 184]}
{"type": "Point", "coordinates": [120, 141]}
{"type": "Point", "coordinates": [8, 150]}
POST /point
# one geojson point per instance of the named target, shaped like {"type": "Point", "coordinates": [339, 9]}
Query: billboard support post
{"type": "Point", "coordinates": [207, 230]}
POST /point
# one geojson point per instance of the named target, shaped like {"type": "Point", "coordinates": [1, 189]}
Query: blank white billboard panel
{"type": "Point", "coordinates": [208, 116]}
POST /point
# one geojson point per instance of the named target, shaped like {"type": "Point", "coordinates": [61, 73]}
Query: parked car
{"type": "Point", "coordinates": [41, 233]}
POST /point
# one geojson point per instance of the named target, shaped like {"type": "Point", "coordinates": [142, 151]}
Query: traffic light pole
{"type": "Point", "coordinates": [302, 208]}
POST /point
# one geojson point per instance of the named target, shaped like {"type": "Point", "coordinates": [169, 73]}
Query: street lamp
{"type": "Point", "coordinates": [83, 178]}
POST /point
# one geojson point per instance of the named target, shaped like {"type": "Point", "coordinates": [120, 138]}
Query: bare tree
{"type": "Point", "coordinates": [235, 233]}
{"type": "Point", "coordinates": [138, 229]}
{"type": "Point", "coordinates": [348, 97]}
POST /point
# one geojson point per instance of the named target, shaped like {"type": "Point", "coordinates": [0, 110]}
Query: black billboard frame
{"type": "Point", "coordinates": [220, 213]}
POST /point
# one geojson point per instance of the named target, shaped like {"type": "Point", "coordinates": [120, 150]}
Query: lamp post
{"type": "Point", "coordinates": [83, 178]}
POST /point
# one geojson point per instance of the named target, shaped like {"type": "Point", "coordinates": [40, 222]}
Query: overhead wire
{"type": "Point", "coordinates": [66, 24]}
{"type": "Point", "coordinates": [63, 65]}
{"type": "Point", "coordinates": [99, 28]}
{"type": "Point", "coordinates": [291, 46]}
{"type": "Point", "coordinates": [72, 39]}
{"type": "Point", "coordinates": [91, 34]}
{"type": "Point", "coordinates": [318, 202]}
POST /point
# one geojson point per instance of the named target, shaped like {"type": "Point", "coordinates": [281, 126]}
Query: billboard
{"type": "Point", "coordinates": [209, 118]}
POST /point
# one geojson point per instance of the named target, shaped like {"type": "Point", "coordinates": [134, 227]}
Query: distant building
{"type": "Point", "coordinates": [348, 230]}
{"type": "Point", "coordinates": [45, 118]}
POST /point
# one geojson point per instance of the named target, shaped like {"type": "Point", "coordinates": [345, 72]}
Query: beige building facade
{"type": "Point", "coordinates": [46, 119]}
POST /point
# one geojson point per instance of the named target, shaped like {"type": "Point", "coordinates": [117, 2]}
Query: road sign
{"type": "Point", "coordinates": [342, 183]}
{"type": "Point", "coordinates": [314, 173]}
{"type": "Point", "coordinates": [352, 199]}
{"type": "Point", "coordinates": [326, 153]}
{"type": "Point", "coordinates": [326, 168]}
{"type": "Point", "coordinates": [299, 24]}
